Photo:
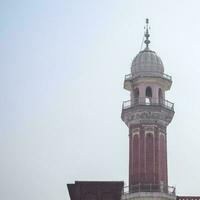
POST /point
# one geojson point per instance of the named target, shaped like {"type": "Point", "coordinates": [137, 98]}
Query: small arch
{"type": "Point", "coordinates": [148, 94]}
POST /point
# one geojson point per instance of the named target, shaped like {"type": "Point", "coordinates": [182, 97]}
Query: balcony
{"type": "Point", "coordinates": [151, 188]}
{"type": "Point", "coordinates": [132, 78]}
{"type": "Point", "coordinates": [129, 77]}
{"type": "Point", "coordinates": [143, 101]}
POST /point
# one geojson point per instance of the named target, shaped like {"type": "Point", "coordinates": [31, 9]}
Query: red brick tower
{"type": "Point", "coordinates": [147, 115]}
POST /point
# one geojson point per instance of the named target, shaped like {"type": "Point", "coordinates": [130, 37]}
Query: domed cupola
{"type": "Point", "coordinates": [147, 62]}
{"type": "Point", "coordinates": [147, 66]}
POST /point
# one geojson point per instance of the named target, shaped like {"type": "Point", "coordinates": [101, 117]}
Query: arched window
{"type": "Point", "coordinates": [148, 94]}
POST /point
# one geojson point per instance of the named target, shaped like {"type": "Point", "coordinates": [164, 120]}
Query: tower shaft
{"type": "Point", "coordinates": [147, 156]}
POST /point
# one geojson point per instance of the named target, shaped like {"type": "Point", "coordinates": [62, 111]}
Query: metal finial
{"type": "Point", "coordinates": [147, 41]}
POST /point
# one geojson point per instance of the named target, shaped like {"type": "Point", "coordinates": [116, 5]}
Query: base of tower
{"type": "Point", "coordinates": [148, 196]}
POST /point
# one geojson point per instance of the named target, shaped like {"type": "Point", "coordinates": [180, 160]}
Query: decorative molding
{"type": "Point", "coordinates": [135, 130]}
{"type": "Point", "coordinates": [150, 116]}
{"type": "Point", "coordinates": [161, 133]}
{"type": "Point", "coordinates": [149, 128]}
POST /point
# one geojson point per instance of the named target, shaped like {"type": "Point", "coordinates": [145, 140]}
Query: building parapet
{"type": "Point", "coordinates": [188, 198]}
{"type": "Point", "coordinates": [149, 188]}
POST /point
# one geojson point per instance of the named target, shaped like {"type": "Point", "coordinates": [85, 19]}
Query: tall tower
{"type": "Point", "coordinates": [147, 115]}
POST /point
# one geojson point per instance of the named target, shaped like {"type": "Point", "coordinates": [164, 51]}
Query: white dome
{"type": "Point", "coordinates": [147, 63]}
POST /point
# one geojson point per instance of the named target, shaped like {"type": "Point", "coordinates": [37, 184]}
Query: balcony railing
{"type": "Point", "coordinates": [161, 188]}
{"type": "Point", "coordinates": [148, 102]}
{"type": "Point", "coordinates": [147, 74]}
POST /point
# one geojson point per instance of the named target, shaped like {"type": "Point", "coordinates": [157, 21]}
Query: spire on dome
{"type": "Point", "coordinates": [147, 41]}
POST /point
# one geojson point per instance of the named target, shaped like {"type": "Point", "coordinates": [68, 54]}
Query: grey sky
{"type": "Point", "coordinates": [62, 67]}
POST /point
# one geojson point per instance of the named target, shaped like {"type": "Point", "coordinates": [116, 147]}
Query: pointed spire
{"type": "Point", "coordinates": [147, 41]}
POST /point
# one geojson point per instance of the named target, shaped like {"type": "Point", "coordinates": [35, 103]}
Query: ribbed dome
{"type": "Point", "coordinates": [147, 63]}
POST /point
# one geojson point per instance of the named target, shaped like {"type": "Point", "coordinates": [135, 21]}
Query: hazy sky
{"type": "Point", "coordinates": [62, 66]}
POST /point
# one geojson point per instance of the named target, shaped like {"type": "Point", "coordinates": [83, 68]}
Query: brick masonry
{"type": "Point", "coordinates": [147, 155]}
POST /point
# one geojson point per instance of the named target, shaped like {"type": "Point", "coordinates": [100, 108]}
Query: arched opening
{"type": "Point", "coordinates": [135, 153]}
{"type": "Point", "coordinates": [149, 158]}
{"type": "Point", "coordinates": [136, 95]}
{"type": "Point", "coordinates": [148, 94]}
{"type": "Point", "coordinates": [160, 96]}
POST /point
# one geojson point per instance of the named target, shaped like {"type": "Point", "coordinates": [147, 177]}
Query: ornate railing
{"type": "Point", "coordinates": [148, 101]}
{"type": "Point", "coordinates": [128, 77]}
{"type": "Point", "coordinates": [161, 188]}
{"type": "Point", "coordinates": [148, 74]}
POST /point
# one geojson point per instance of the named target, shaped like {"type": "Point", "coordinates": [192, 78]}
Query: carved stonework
{"type": "Point", "coordinates": [149, 128]}
{"type": "Point", "coordinates": [135, 130]}
{"type": "Point", "coordinates": [161, 133]}
{"type": "Point", "coordinates": [162, 129]}
{"type": "Point", "coordinates": [151, 115]}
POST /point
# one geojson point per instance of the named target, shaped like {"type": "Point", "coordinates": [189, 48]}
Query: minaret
{"type": "Point", "coordinates": [147, 115]}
